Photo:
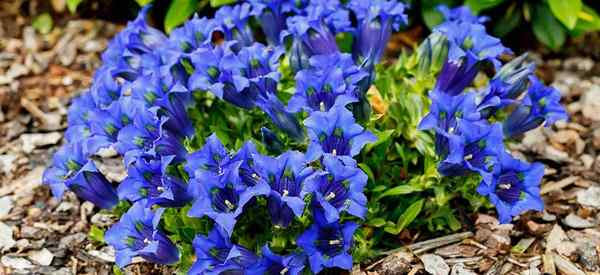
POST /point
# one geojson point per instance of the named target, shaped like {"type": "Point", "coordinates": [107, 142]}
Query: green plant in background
{"type": "Point", "coordinates": [552, 21]}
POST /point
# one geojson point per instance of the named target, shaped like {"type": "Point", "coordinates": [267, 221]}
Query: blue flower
{"type": "Point", "coordinates": [507, 85]}
{"type": "Point", "coordinates": [540, 106]}
{"type": "Point", "coordinates": [285, 175]}
{"type": "Point", "coordinates": [272, 143]}
{"type": "Point", "coordinates": [338, 189]}
{"type": "Point", "coordinates": [328, 246]}
{"type": "Point", "coordinates": [215, 254]}
{"type": "Point", "coordinates": [461, 14]}
{"type": "Point", "coordinates": [376, 20]}
{"type": "Point", "coordinates": [78, 117]}
{"type": "Point", "coordinates": [138, 234]}
{"type": "Point", "coordinates": [446, 115]}
{"type": "Point", "coordinates": [331, 81]}
{"type": "Point", "coordinates": [222, 197]}
{"type": "Point", "coordinates": [456, 75]}
{"type": "Point", "coordinates": [274, 264]}
{"type": "Point", "coordinates": [234, 21]}
{"type": "Point", "coordinates": [515, 188]}
{"type": "Point", "coordinates": [218, 70]}
{"type": "Point", "coordinates": [73, 170]}
{"type": "Point", "coordinates": [194, 33]}
{"type": "Point", "coordinates": [105, 89]}
{"type": "Point", "coordinates": [472, 40]}
{"type": "Point", "coordinates": [311, 36]}
{"type": "Point", "coordinates": [211, 158]}
{"type": "Point", "coordinates": [335, 133]}
{"type": "Point", "coordinates": [476, 150]}
{"type": "Point", "coordinates": [271, 15]}
{"type": "Point", "coordinates": [106, 124]}
{"type": "Point", "coordinates": [247, 171]}
{"type": "Point", "coordinates": [284, 120]}
{"type": "Point", "coordinates": [149, 180]}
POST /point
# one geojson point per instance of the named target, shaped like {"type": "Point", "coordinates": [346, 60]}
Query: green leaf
{"type": "Point", "coordinates": [377, 222]}
{"type": "Point", "coordinates": [567, 11]}
{"type": "Point", "coordinates": [96, 234]}
{"type": "Point", "coordinates": [42, 23]}
{"type": "Point", "coordinates": [143, 2]}
{"type": "Point", "coordinates": [117, 270]}
{"type": "Point", "coordinates": [588, 21]}
{"type": "Point", "coordinates": [547, 29]}
{"type": "Point", "coordinates": [73, 4]}
{"type": "Point", "coordinates": [178, 12]}
{"type": "Point", "coordinates": [509, 20]}
{"type": "Point", "coordinates": [399, 190]}
{"type": "Point", "coordinates": [409, 215]}
{"type": "Point", "coordinates": [430, 14]}
{"type": "Point", "coordinates": [218, 3]}
{"type": "Point", "coordinates": [479, 5]}
{"type": "Point", "coordinates": [367, 170]}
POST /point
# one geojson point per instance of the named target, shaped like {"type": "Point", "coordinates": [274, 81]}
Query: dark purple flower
{"type": "Point", "coordinates": [285, 175]}
{"type": "Point", "coordinates": [215, 254]}
{"type": "Point", "coordinates": [515, 188]}
{"type": "Point", "coordinates": [335, 133]}
{"type": "Point", "coordinates": [138, 234]}
{"type": "Point", "coordinates": [150, 180]}
{"type": "Point", "coordinates": [328, 246]}
{"type": "Point", "coordinates": [311, 36]}
{"type": "Point", "coordinates": [337, 189]}
{"type": "Point", "coordinates": [72, 169]}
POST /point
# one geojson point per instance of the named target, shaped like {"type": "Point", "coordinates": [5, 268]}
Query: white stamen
{"type": "Point", "coordinates": [229, 205]}
{"type": "Point", "coordinates": [334, 152]}
{"type": "Point", "coordinates": [160, 189]}
{"type": "Point", "coordinates": [334, 242]}
{"type": "Point", "coordinates": [330, 196]}
{"type": "Point", "coordinates": [504, 186]}
{"type": "Point", "coordinates": [451, 130]}
{"type": "Point", "coordinates": [255, 176]}
{"type": "Point", "coordinates": [146, 241]}
{"type": "Point", "coordinates": [285, 192]}
{"type": "Point", "coordinates": [469, 157]}
{"type": "Point", "coordinates": [283, 271]}
{"type": "Point", "coordinates": [322, 106]}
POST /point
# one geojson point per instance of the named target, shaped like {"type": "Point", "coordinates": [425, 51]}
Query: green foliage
{"type": "Point", "coordinates": [479, 5]}
{"type": "Point", "coordinates": [566, 11]}
{"type": "Point", "coordinates": [178, 12]}
{"type": "Point", "coordinates": [547, 29]}
{"type": "Point", "coordinates": [73, 4]}
{"type": "Point", "coordinates": [42, 23]}
{"type": "Point", "coordinates": [96, 234]}
{"type": "Point", "coordinates": [143, 2]}
{"type": "Point", "coordinates": [218, 3]}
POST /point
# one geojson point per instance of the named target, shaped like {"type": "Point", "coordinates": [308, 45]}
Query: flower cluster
{"type": "Point", "coordinates": [470, 129]}
{"type": "Point", "coordinates": [139, 107]}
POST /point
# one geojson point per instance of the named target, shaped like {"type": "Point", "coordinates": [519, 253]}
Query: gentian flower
{"type": "Point", "coordinates": [284, 120]}
{"type": "Point", "coordinates": [260, 67]}
{"type": "Point", "coordinates": [217, 70]}
{"type": "Point", "coordinates": [138, 234]}
{"type": "Point", "coordinates": [215, 254]}
{"type": "Point", "coordinates": [335, 133]}
{"type": "Point", "coordinates": [541, 106]}
{"type": "Point", "coordinates": [73, 170]}
{"type": "Point", "coordinates": [456, 75]}
{"type": "Point", "coordinates": [150, 181]}
{"type": "Point", "coordinates": [376, 20]}
{"type": "Point", "coordinates": [331, 81]}
{"type": "Point", "coordinates": [461, 14]}
{"type": "Point", "coordinates": [234, 22]}
{"type": "Point", "coordinates": [78, 117]}
{"type": "Point", "coordinates": [245, 156]}
{"type": "Point", "coordinates": [106, 124]}
{"type": "Point", "coordinates": [446, 116]}
{"type": "Point", "coordinates": [328, 246]}
{"type": "Point", "coordinates": [274, 264]}
{"type": "Point", "coordinates": [211, 158]}
{"type": "Point", "coordinates": [285, 174]}
{"type": "Point", "coordinates": [105, 88]}
{"type": "Point", "coordinates": [272, 143]}
{"type": "Point", "coordinates": [271, 15]}
{"type": "Point", "coordinates": [338, 189]}
{"type": "Point", "coordinates": [194, 33]}
{"type": "Point", "coordinates": [472, 40]}
{"type": "Point", "coordinates": [223, 197]}
{"type": "Point", "coordinates": [515, 188]}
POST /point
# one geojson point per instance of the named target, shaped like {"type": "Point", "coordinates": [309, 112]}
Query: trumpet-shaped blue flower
{"type": "Point", "coordinates": [461, 14]}
{"type": "Point", "coordinates": [78, 117]}
{"type": "Point", "coordinates": [272, 143]}
{"type": "Point", "coordinates": [310, 37]}
{"type": "Point", "coordinates": [472, 40]}
{"type": "Point", "coordinates": [106, 124]}
{"type": "Point", "coordinates": [284, 120]}
{"type": "Point", "coordinates": [195, 33]}
{"type": "Point", "coordinates": [247, 171]}
{"type": "Point", "coordinates": [541, 106]}
{"type": "Point", "coordinates": [138, 234]}
{"type": "Point", "coordinates": [149, 180]}
{"type": "Point", "coordinates": [222, 197]}
{"type": "Point", "coordinates": [106, 88]}
{"type": "Point", "coordinates": [376, 20]}
{"type": "Point", "coordinates": [73, 170]}
{"type": "Point", "coordinates": [271, 15]}
{"type": "Point", "coordinates": [338, 189]}
{"type": "Point", "coordinates": [211, 158]}
{"type": "Point", "coordinates": [328, 246]}
{"type": "Point", "coordinates": [515, 187]}
{"type": "Point", "coordinates": [215, 254]}
{"type": "Point", "coordinates": [234, 22]}
{"type": "Point", "coordinates": [335, 133]}
{"type": "Point", "coordinates": [285, 175]}
{"type": "Point", "coordinates": [274, 264]}
{"type": "Point", "coordinates": [456, 75]}
{"type": "Point", "coordinates": [331, 81]}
